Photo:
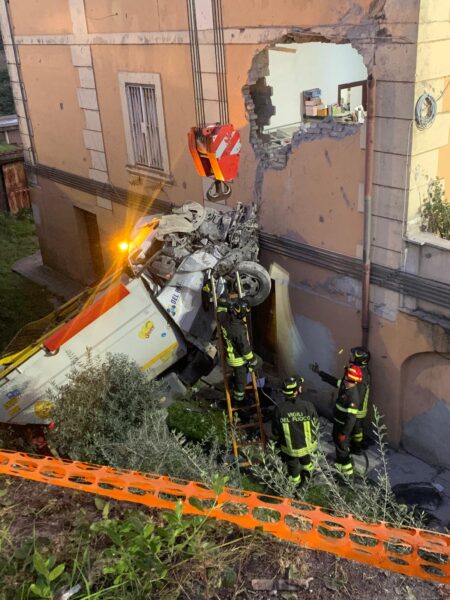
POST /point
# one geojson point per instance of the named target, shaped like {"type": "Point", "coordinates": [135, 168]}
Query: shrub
{"type": "Point", "coordinates": [195, 420]}
{"type": "Point", "coordinates": [108, 412]}
{"type": "Point", "coordinates": [100, 402]}
{"type": "Point", "coordinates": [436, 211]}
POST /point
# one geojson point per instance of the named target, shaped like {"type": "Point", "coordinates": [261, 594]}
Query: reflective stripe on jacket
{"type": "Point", "coordinates": [363, 390]}
{"type": "Point", "coordinates": [347, 405]}
{"type": "Point", "coordinates": [235, 337]}
{"type": "Point", "coordinates": [294, 424]}
{"type": "Point", "coordinates": [233, 359]}
{"type": "Point", "coordinates": [310, 444]}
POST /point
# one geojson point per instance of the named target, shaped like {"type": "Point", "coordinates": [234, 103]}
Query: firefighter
{"type": "Point", "coordinates": [360, 357]}
{"type": "Point", "coordinates": [239, 354]}
{"type": "Point", "coordinates": [295, 425]}
{"type": "Point", "coordinates": [348, 404]}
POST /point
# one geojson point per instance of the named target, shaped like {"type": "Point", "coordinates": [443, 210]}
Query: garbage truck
{"type": "Point", "coordinates": [153, 309]}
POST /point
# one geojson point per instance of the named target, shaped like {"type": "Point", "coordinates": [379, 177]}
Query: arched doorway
{"type": "Point", "coordinates": [426, 407]}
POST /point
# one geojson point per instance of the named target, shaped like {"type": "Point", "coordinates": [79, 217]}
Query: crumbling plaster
{"type": "Point", "coordinates": [386, 37]}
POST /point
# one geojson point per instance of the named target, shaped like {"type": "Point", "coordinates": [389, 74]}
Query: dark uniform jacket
{"type": "Point", "coordinates": [347, 407]}
{"type": "Point", "coordinates": [294, 424]}
{"type": "Point", "coordinates": [235, 337]}
{"type": "Point", "coordinates": [363, 389]}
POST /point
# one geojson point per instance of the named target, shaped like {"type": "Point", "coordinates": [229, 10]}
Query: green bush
{"type": "Point", "coordinates": [101, 402]}
{"type": "Point", "coordinates": [108, 412]}
{"type": "Point", "coordinates": [436, 211]}
{"type": "Point", "coordinates": [196, 421]}
{"type": "Point", "coordinates": [137, 554]}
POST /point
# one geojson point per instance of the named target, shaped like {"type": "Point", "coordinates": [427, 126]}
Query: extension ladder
{"type": "Point", "coordinates": [235, 426]}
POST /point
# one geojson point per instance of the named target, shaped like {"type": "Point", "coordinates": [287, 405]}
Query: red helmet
{"type": "Point", "coordinates": [353, 374]}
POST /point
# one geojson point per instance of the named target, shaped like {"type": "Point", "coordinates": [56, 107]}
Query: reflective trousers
{"type": "Point", "coordinates": [238, 383]}
{"type": "Point", "coordinates": [299, 468]}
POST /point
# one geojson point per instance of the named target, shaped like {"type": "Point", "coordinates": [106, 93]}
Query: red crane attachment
{"type": "Point", "coordinates": [215, 150]}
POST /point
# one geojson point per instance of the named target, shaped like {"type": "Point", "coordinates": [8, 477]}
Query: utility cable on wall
{"type": "Point", "coordinates": [219, 50]}
{"type": "Point", "coordinates": [196, 66]}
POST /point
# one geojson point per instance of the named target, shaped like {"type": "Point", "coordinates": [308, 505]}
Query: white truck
{"type": "Point", "coordinates": [152, 310]}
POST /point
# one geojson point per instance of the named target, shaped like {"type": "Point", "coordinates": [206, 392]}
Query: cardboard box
{"type": "Point", "coordinates": [319, 110]}
{"type": "Point", "coordinates": [313, 101]}
{"type": "Point", "coordinates": [311, 111]}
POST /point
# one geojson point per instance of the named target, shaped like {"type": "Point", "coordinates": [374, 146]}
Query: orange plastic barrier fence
{"type": "Point", "coordinates": [413, 552]}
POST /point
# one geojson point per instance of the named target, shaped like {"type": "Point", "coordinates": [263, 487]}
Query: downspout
{"type": "Point", "coordinates": [368, 185]}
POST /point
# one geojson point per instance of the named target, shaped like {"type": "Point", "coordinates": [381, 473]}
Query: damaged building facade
{"type": "Point", "coordinates": [105, 94]}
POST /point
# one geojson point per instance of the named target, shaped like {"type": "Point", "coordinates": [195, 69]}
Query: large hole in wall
{"type": "Point", "coordinates": [301, 92]}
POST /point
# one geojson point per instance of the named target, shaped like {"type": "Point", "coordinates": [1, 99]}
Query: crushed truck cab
{"type": "Point", "coordinates": [152, 311]}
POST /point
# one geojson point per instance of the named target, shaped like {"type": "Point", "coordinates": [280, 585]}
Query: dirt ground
{"type": "Point", "coordinates": [263, 568]}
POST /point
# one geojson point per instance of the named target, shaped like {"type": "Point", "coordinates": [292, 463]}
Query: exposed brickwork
{"type": "Point", "coordinates": [274, 155]}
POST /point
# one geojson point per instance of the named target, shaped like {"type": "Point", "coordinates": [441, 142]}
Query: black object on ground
{"type": "Point", "coordinates": [422, 495]}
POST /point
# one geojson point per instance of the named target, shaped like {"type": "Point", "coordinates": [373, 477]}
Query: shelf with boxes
{"type": "Point", "coordinates": [312, 104]}
{"type": "Point", "coordinates": [314, 108]}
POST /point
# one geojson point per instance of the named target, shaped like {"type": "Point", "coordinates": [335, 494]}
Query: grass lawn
{"type": "Point", "coordinates": [8, 148]}
{"type": "Point", "coordinates": [20, 300]}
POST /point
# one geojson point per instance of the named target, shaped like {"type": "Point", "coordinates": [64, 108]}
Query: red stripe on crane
{"type": "Point", "coordinates": [235, 139]}
{"type": "Point", "coordinates": [221, 135]}
{"type": "Point", "coordinates": [86, 317]}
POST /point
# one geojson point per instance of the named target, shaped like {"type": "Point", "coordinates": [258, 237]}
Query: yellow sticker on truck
{"type": "Point", "coordinates": [146, 330]}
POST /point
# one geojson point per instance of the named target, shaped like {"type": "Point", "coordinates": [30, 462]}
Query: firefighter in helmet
{"type": "Point", "coordinates": [348, 404]}
{"type": "Point", "coordinates": [295, 425]}
{"type": "Point", "coordinates": [232, 317]}
{"type": "Point", "coordinates": [359, 357]}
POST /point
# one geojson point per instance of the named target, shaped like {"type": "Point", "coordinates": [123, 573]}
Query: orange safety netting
{"type": "Point", "coordinates": [413, 552]}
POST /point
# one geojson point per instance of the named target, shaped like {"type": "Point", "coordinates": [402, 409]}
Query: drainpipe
{"type": "Point", "coordinates": [368, 184]}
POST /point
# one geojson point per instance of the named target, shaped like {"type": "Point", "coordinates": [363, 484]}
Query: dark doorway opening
{"type": "Point", "coordinates": [91, 235]}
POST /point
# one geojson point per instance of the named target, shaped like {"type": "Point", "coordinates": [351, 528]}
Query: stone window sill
{"type": "Point", "coordinates": [423, 238]}
{"type": "Point", "coordinates": [149, 173]}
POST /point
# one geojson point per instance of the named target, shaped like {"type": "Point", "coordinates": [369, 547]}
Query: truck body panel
{"type": "Point", "coordinates": [133, 325]}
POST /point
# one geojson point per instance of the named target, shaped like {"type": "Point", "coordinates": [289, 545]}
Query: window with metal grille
{"type": "Point", "coordinates": [144, 125]}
